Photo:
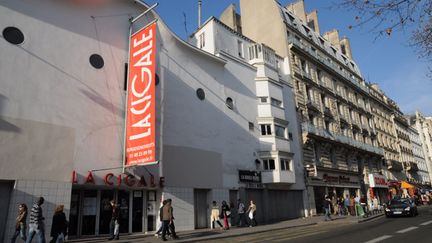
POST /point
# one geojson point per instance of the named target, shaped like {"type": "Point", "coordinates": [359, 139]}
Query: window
{"type": "Point", "coordinates": [240, 48]}
{"type": "Point", "coordinates": [266, 129]}
{"type": "Point", "coordinates": [332, 156]}
{"type": "Point", "coordinates": [229, 103]}
{"type": "Point", "coordinates": [304, 66]}
{"type": "Point", "coordinates": [276, 102]}
{"type": "Point", "coordinates": [263, 99]}
{"type": "Point", "coordinates": [13, 35]}
{"type": "Point", "coordinates": [200, 94]}
{"type": "Point", "coordinates": [202, 40]}
{"type": "Point", "coordinates": [324, 100]}
{"type": "Point", "coordinates": [96, 61]}
{"type": "Point", "coordinates": [280, 131]}
{"type": "Point", "coordinates": [327, 126]}
{"type": "Point", "coordinates": [284, 164]}
{"type": "Point", "coordinates": [319, 75]}
{"type": "Point", "coordinates": [290, 136]}
{"type": "Point", "coordinates": [269, 164]}
{"type": "Point", "coordinates": [311, 119]}
{"type": "Point", "coordinates": [251, 126]}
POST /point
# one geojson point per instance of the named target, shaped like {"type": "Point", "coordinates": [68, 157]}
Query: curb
{"type": "Point", "coordinates": [223, 236]}
{"type": "Point", "coordinates": [370, 218]}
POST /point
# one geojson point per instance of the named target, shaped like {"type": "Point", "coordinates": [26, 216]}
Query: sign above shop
{"type": "Point", "coordinates": [249, 176]}
{"type": "Point", "coordinates": [109, 179]}
{"type": "Point", "coordinates": [377, 181]}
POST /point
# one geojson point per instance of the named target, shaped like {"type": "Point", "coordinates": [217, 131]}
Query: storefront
{"type": "Point", "coordinates": [394, 188]}
{"type": "Point", "coordinates": [378, 187]}
{"type": "Point", "coordinates": [90, 209]}
{"type": "Point", "coordinates": [333, 184]}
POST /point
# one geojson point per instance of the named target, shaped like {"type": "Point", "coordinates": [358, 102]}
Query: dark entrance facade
{"type": "Point", "coordinates": [90, 211]}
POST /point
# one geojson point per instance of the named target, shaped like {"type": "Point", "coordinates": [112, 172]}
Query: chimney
{"type": "Point", "coordinates": [231, 18]}
{"type": "Point", "coordinates": [199, 13]}
{"type": "Point", "coordinates": [333, 38]}
{"type": "Point", "coordinates": [346, 47]}
{"type": "Point", "coordinates": [298, 9]}
{"type": "Point", "coordinates": [312, 21]}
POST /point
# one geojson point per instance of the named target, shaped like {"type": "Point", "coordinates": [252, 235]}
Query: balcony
{"type": "Point", "coordinates": [309, 128]}
{"type": "Point", "coordinates": [411, 167]}
{"type": "Point", "coordinates": [278, 176]}
{"type": "Point", "coordinates": [328, 113]}
{"type": "Point", "coordinates": [334, 67]}
{"type": "Point", "coordinates": [312, 105]}
{"type": "Point", "coordinates": [273, 143]}
{"type": "Point", "coordinates": [269, 110]}
{"type": "Point", "coordinates": [395, 165]}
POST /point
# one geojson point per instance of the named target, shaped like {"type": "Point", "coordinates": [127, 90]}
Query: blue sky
{"type": "Point", "coordinates": [387, 61]}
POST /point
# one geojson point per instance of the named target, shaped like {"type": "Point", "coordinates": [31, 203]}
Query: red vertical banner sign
{"type": "Point", "coordinates": [141, 112]}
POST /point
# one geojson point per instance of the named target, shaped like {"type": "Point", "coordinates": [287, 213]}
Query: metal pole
{"type": "Point", "coordinates": [126, 101]}
{"type": "Point", "coordinates": [145, 12]}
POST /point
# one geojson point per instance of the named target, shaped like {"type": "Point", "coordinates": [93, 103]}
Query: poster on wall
{"type": "Point", "coordinates": [141, 112]}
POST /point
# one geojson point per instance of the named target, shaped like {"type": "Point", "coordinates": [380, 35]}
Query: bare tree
{"type": "Point", "coordinates": [383, 17]}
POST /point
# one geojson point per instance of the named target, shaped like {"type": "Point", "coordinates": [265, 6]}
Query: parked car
{"type": "Point", "coordinates": [402, 207]}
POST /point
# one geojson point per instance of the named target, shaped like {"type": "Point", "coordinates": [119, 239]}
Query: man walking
{"type": "Point", "coordinates": [36, 225]}
{"type": "Point", "coordinates": [167, 220]}
{"type": "Point", "coordinates": [241, 213]}
{"type": "Point", "coordinates": [114, 224]}
{"type": "Point", "coordinates": [327, 209]}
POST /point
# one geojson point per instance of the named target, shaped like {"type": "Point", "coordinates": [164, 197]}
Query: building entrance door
{"type": "Point", "coordinates": [89, 212]}
{"type": "Point", "coordinates": [5, 192]}
{"type": "Point", "coordinates": [137, 211]}
{"type": "Point", "coordinates": [201, 214]}
{"type": "Point", "coordinates": [105, 211]}
{"type": "Point", "coordinates": [123, 201]}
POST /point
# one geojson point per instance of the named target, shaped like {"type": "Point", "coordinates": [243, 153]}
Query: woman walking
{"type": "Point", "coordinates": [59, 225]}
{"type": "Point", "coordinates": [215, 215]}
{"type": "Point", "coordinates": [252, 214]}
{"type": "Point", "coordinates": [20, 223]}
{"type": "Point", "coordinates": [225, 214]}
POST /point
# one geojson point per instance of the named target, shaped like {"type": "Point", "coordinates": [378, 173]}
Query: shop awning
{"type": "Point", "coordinates": [406, 185]}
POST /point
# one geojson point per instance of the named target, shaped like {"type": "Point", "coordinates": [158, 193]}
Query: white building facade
{"type": "Point", "coordinates": [418, 172]}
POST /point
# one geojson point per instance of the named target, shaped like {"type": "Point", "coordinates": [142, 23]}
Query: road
{"type": "Point", "coordinates": [410, 229]}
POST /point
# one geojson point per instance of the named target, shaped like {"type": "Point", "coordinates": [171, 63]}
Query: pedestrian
{"type": "Point", "coordinates": [114, 223]}
{"type": "Point", "coordinates": [172, 231]}
{"type": "Point", "coordinates": [352, 206]}
{"type": "Point", "coordinates": [347, 204]}
{"type": "Point", "coordinates": [20, 223]}
{"type": "Point", "coordinates": [215, 215]}
{"type": "Point", "coordinates": [241, 213]}
{"type": "Point", "coordinates": [340, 206]}
{"type": "Point", "coordinates": [252, 214]}
{"type": "Point", "coordinates": [375, 204]}
{"type": "Point", "coordinates": [36, 224]}
{"type": "Point", "coordinates": [225, 213]}
{"type": "Point", "coordinates": [327, 208]}
{"type": "Point", "coordinates": [334, 205]}
{"type": "Point", "coordinates": [159, 232]}
{"type": "Point", "coordinates": [59, 225]}
{"type": "Point", "coordinates": [168, 220]}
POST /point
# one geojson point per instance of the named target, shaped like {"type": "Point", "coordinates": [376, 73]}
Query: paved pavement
{"type": "Point", "coordinates": [236, 234]}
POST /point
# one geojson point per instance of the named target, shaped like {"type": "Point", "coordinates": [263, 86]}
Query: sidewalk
{"type": "Point", "coordinates": [201, 235]}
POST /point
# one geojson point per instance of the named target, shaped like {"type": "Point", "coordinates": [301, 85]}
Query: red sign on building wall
{"type": "Point", "coordinates": [140, 121]}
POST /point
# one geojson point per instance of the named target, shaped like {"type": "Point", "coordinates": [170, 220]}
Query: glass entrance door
{"type": "Point", "coordinates": [137, 211]}
{"type": "Point", "coordinates": [123, 201]}
{"type": "Point", "coordinates": [89, 212]}
{"type": "Point", "coordinates": [105, 211]}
